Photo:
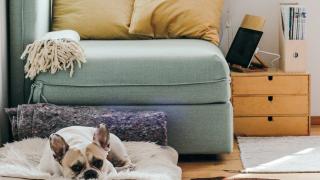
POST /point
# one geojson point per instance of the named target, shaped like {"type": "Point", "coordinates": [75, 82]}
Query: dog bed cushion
{"type": "Point", "coordinates": [40, 120]}
{"type": "Point", "coordinates": [20, 160]}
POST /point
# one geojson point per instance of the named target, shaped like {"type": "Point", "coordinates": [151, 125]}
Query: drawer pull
{"type": "Point", "coordinates": [270, 98]}
{"type": "Point", "coordinates": [270, 118]}
{"type": "Point", "coordinates": [270, 78]}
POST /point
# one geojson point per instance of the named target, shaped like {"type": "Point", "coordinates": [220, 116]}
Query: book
{"type": "Point", "coordinates": [303, 23]}
{"type": "Point", "coordinates": [285, 15]}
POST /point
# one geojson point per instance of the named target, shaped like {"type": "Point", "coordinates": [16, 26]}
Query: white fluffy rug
{"type": "Point", "coordinates": [280, 154]}
{"type": "Point", "coordinates": [20, 160]}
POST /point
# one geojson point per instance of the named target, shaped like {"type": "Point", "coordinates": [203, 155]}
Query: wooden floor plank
{"type": "Point", "coordinates": [229, 165]}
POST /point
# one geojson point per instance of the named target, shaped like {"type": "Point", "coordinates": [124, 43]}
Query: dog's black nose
{"type": "Point", "coordinates": [90, 174]}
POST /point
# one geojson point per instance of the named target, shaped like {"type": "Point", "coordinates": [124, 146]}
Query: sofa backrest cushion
{"type": "Point", "coordinates": [94, 19]}
{"type": "Point", "coordinates": [177, 19]}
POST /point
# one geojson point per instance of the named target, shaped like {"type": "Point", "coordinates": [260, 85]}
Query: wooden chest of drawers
{"type": "Point", "coordinates": [271, 103]}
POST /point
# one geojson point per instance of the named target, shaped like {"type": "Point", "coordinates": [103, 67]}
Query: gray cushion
{"type": "Point", "coordinates": [142, 72]}
{"type": "Point", "coordinates": [150, 126]}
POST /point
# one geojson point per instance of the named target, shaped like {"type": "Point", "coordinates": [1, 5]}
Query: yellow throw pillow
{"type": "Point", "coordinates": [177, 19]}
{"type": "Point", "coordinates": [94, 19]}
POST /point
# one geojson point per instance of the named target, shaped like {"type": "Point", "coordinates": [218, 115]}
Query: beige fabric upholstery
{"type": "Point", "coordinates": [94, 19]}
{"type": "Point", "coordinates": [177, 19]}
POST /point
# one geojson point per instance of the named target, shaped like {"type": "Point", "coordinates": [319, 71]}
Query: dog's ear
{"type": "Point", "coordinates": [59, 146]}
{"type": "Point", "coordinates": [101, 137]}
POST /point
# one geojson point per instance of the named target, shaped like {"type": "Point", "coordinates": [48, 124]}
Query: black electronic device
{"type": "Point", "coordinates": [243, 47]}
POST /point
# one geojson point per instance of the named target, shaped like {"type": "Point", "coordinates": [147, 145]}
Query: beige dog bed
{"type": "Point", "coordinates": [153, 162]}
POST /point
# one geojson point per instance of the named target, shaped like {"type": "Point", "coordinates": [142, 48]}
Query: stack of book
{"type": "Point", "coordinates": [294, 19]}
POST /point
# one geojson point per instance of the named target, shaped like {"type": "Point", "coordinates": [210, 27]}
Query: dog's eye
{"type": "Point", "coordinates": [77, 167]}
{"type": "Point", "coordinates": [98, 163]}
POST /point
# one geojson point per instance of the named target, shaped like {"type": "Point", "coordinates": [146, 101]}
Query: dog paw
{"type": "Point", "coordinates": [127, 168]}
{"type": "Point", "coordinates": [131, 167]}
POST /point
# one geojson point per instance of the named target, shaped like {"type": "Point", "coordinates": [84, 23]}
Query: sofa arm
{"type": "Point", "coordinates": [29, 20]}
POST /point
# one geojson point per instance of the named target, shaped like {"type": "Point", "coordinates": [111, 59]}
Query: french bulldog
{"type": "Point", "coordinates": [84, 153]}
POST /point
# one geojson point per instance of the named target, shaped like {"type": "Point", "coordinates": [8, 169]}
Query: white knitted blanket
{"type": "Point", "coordinates": [55, 51]}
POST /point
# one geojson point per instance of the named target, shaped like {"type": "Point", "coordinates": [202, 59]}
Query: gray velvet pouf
{"type": "Point", "coordinates": [40, 120]}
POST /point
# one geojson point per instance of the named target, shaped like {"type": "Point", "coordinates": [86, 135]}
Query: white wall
{"type": "Point", "coordinates": [270, 40]}
{"type": "Point", "coordinates": [3, 72]}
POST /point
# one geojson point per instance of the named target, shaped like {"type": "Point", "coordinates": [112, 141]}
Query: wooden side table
{"type": "Point", "coordinates": [271, 103]}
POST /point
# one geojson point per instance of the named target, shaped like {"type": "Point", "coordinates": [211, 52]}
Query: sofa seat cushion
{"type": "Point", "coordinates": [143, 72]}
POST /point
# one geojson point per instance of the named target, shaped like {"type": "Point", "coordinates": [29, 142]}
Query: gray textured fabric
{"type": "Point", "coordinates": [41, 120]}
{"type": "Point", "coordinates": [29, 20]}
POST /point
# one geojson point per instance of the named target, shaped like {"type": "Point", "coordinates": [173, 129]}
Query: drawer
{"type": "Point", "coordinates": [270, 105]}
{"type": "Point", "coordinates": [271, 126]}
{"type": "Point", "coordinates": [264, 85]}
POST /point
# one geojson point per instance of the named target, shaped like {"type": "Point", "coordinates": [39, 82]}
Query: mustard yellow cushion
{"type": "Point", "coordinates": [177, 19]}
{"type": "Point", "coordinates": [94, 19]}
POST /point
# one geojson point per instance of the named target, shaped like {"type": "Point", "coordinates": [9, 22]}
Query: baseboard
{"type": "Point", "coordinates": [315, 120]}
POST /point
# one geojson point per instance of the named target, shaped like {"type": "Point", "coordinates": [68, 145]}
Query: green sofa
{"type": "Point", "coordinates": [188, 79]}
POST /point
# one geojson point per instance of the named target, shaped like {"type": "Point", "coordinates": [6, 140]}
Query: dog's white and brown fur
{"type": "Point", "coordinates": [84, 153]}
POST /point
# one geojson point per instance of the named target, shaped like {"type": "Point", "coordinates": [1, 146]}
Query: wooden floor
{"type": "Point", "coordinates": [229, 165]}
